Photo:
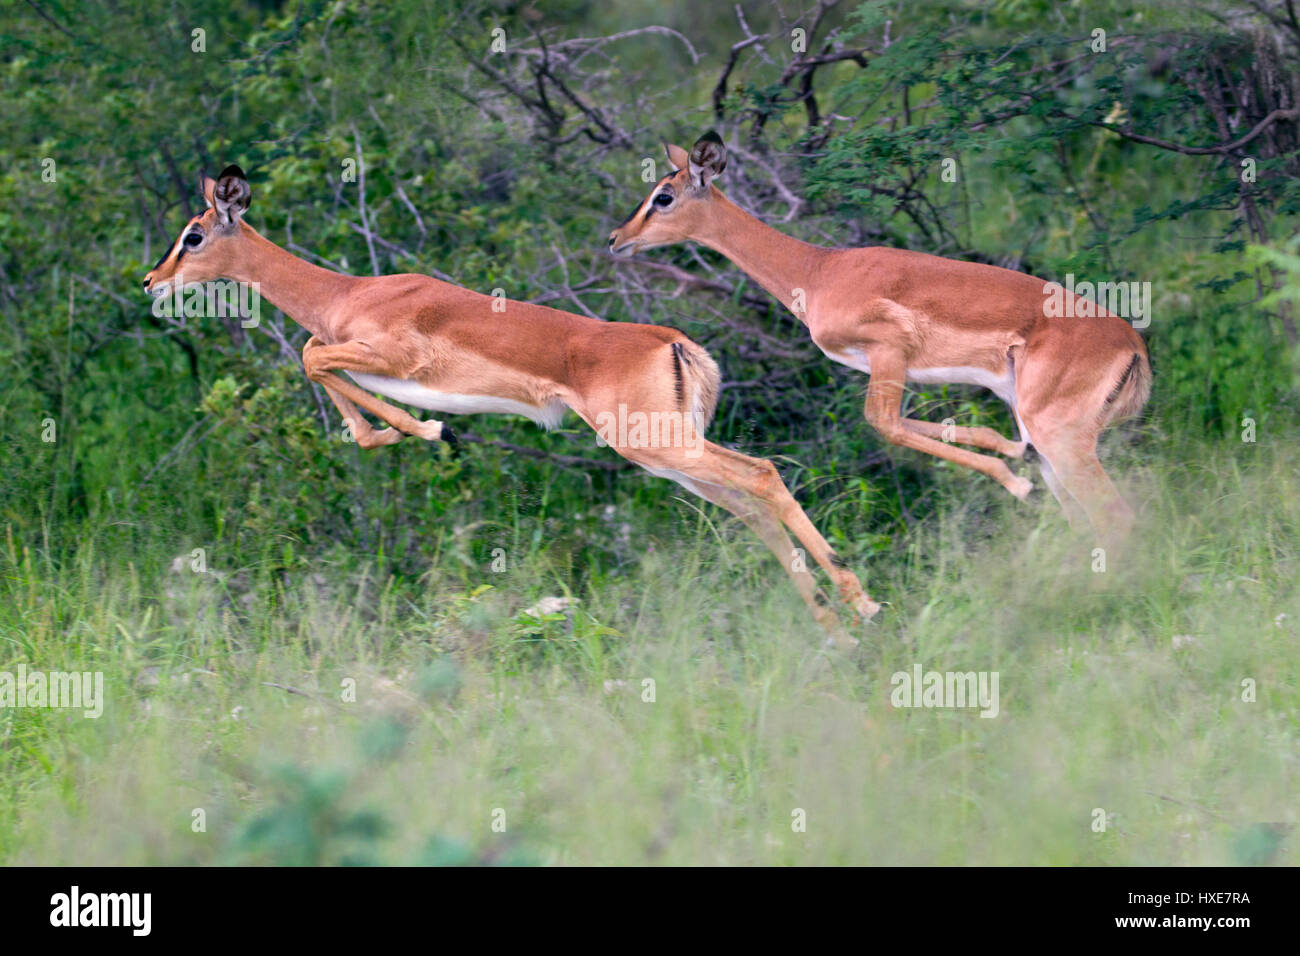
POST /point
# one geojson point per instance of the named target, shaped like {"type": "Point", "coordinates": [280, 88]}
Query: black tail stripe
{"type": "Point", "coordinates": [677, 373]}
{"type": "Point", "coordinates": [1119, 386]}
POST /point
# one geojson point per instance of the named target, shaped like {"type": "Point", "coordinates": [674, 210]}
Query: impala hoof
{"type": "Point", "coordinates": [452, 441]}
{"type": "Point", "coordinates": [1021, 487]}
{"type": "Point", "coordinates": [841, 642]}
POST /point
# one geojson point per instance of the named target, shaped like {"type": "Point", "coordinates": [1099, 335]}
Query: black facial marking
{"type": "Point", "coordinates": [165, 255]}
{"type": "Point", "coordinates": [642, 203]}
{"type": "Point", "coordinates": [631, 217]}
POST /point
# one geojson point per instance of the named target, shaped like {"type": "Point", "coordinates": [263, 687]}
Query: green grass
{"type": "Point", "coordinates": [466, 705]}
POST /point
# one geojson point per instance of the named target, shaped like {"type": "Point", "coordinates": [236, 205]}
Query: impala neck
{"type": "Point", "coordinates": [300, 290]}
{"type": "Point", "coordinates": [779, 263]}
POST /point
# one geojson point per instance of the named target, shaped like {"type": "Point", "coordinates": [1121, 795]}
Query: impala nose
{"type": "Point", "coordinates": [613, 237]}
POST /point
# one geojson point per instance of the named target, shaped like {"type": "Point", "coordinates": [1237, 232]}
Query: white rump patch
{"type": "Point", "coordinates": [413, 393]}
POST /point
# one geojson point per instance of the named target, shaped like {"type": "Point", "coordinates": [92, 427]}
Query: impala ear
{"type": "Point", "coordinates": [231, 195]}
{"type": "Point", "coordinates": [677, 157]}
{"type": "Point", "coordinates": [708, 159]}
{"type": "Point", "coordinates": [206, 185]}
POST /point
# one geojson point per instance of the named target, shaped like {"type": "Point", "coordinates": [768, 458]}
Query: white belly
{"type": "Point", "coordinates": [413, 393]}
{"type": "Point", "coordinates": [1003, 386]}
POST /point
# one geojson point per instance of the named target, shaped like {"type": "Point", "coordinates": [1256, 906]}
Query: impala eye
{"type": "Point", "coordinates": [664, 199]}
{"type": "Point", "coordinates": [193, 239]}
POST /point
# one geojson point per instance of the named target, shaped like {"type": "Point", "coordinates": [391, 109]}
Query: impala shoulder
{"type": "Point", "coordinates": [903, 323]}
{"type": "Point", "coordinates": [874, 319]}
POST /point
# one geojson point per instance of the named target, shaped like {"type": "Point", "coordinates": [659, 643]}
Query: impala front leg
{"type": "Point", "coordinates": [366, 436]}
{"type": "Point", "coordinates": [318, 359]}
{"type": "Point", "coordinates": [884, 412]}
{"type": "Point", "coordinates": [980, 437]}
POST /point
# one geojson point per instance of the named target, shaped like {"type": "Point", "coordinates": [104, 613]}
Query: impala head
{"type": "Point", "coordinates": [678, 206]}
{"type": "Point", "coordinates": [205, 248]}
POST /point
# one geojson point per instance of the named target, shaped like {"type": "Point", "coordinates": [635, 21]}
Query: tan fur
{"type": "Point", "coordinates": [905, 312]}
{"type": "Point", "coordinates": [452, 341]}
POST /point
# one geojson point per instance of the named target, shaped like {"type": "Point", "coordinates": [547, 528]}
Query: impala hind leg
{"type": "Point", "coordinates": [759, 519]}
{"type": "Point", "coordinates": [1063, 411]}
{"type": "Point", "coordinates": [1080, 470]}
{"type": "Point", "coordinates": [1074, 513]}
{"type": "Point", "coordinates": [755, 486]}
{"type": "Point", "coordinates": [759, 478]}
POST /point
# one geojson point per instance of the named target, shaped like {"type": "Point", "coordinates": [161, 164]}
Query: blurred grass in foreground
{"type": "Point", "coordinates": [1120, 690]}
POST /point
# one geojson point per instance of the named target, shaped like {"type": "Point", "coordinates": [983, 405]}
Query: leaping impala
{"type": "Point", "coordinates": [440, 347]}
{"type": "Point", "coordinates": [907, 316]}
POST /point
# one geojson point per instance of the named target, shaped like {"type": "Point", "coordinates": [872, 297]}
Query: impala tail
{"type": "Point", "coordinates": [698, 382]}
{"type": "Point", "coordinates": [1131, 390]}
